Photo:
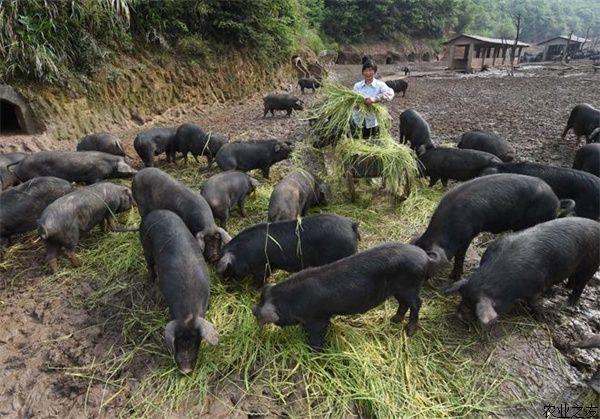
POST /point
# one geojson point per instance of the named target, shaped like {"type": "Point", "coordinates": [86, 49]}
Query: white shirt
{"type": "Point", "coordinates": [378, 90]}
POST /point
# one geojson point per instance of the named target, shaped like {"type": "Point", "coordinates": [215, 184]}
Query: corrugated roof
{"type": "Point", "coordinates": [488, 40]}
{"type": "Point", "coordinates": [573, 38]}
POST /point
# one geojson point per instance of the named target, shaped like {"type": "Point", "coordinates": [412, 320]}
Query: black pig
{"type": "Point", "coordinates": [21, 206]}
{"type": "Point", "coordinates": [295, 194]}
{"type": "Point", "coordinates": [75, 166]}
{"type": "Point", "coordinates": [281, 102]}
{"type": "Point", "coordinates": [452, 163]}
{"type": "Point", "coordinates": [288, 245]}
{"type": "Point", "coordinates": [174, 256]}
{"type": "Point", "coordinates": [253, 154]}
{"type": "Point", "coordinates": [522, 265]}
{"type": "Point", "coordinates": [63, 221]}
{"type": "Point", "coordinates": [103, 141]}
{"type": "Point", "coordinates": [190, 138]}
{"type": "Point", "coordinates": [584, 120]}
{"type": "Point", "coordinates": [227, 190]}
{"type": "Point", "coordinates": [581, 187]}
{"type": "Point", "coordinates": [587, 159]}
{"type": "Point", "coordinates": [308, 84]}
{"type": "Point", "coordinates": [398, 86]}
{"type": "Point", "coordinates": [494, 204]}
{"type": "Point", "coordinates": [352, 285]}
{"type": "Point", "coordinates": [154, 189]}
{"type": "Point", "coordinates": [155, 141]}
{"type": "Point", "coordinates": [488, 142]}
{"type": "Point", "coordinates": [415, 130]}
{"type": "Point", "coordinates": [8, 178]}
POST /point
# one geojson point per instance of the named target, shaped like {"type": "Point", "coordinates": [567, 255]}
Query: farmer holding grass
{"type": "Point", "coordinates": [374, 91]}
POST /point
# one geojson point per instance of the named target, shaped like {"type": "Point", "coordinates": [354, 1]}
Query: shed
{"type": "Point", "coordinates": [472, 52]}
{"type": "Point", "coordinates": [556, 46]}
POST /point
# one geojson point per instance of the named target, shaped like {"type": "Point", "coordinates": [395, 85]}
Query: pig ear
{"type": "Point", "coordinates": [225, 237]}
{"type": "Point", "coordinates": [456, 287]}
{"type": "Point", "coordinates": [485, 311]}
{"type": "Point", "coordinates": [169, 334]}
{"type": "Point", "coordinates": [200, 239]}
{"type": "Point", "coordinates": [224, 263]}
{"type": "Point", "coordinates": [421, 150]}
{"type": "Point", "coordinates": [207, 330]}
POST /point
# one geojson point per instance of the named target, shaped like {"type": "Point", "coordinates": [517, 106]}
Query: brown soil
{"type": "Point", "coordinates": [44, 332]}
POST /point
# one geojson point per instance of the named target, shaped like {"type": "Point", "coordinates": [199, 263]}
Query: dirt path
{"type": "Point", "coordinates": [45, 331]}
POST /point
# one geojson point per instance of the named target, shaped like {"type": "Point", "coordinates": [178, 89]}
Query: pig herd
{"type": "Point", "coordinates": [552, 211]}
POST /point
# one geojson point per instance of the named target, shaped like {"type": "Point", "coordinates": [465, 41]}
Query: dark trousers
{"type": "Point", "coordinates": [366, 132]}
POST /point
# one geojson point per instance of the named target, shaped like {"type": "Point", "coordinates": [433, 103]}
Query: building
{"type": "Point", "coordinates": [556, 46]}
{"type": "Point", "coordinates": [472, 52]}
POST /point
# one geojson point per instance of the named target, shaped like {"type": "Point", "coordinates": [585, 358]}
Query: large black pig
{"type": "Point", "coordinates": [584, 120]}
{"type": "Point", "coordinates": [64, 220]}
{"type": "Point", "coordinates": [102, 141]}
{"type": "Point", "coordinates": [522, 265]}
{"type": "Point", "coordinates": [488, 142]}
{"type": "Point", "coordinates": [398, 86]}
{"type": "Point", "coordinates": [155, 141]}
{"type": "Point", "coordinates": [295, 194]}
{"type": "Point", "coordinates": [581, 187]}
{"type": "Point", "coordinates": [415, 130]}
{"type": "Point", "coordinates": [227, 190]}
{"type": "Point", "coordinates": [352, 285]}
{"type": "Point", "coordinates": [154, 189]}
{"type": "Point", "coordinates": [175, 258]}
{"type": "Point", "coordinates": [190, 138]}
{"type": "Point", "coordinates": [494, 204]}
{"type": "Point", "coordinates": [253, 154]}
{"type": "Point", "coordinates": [587, 159]}
{"type": "Point", "coordinates": [21, 206]}
{"type": "Point", "coordinates": [281, 102]}
{"type": "Point", "coordinates": [288, 245]}
{"type": "Point", "coordinates": [75, 166]}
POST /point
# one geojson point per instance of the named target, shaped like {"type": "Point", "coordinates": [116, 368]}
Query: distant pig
{"type": "Point", "coordinates": [253, 154]}
{"type": "Point", "coordinates": [521, 266]}
{"type": "Point", "coordinates": [488, 142]}
{"type": "Point", "coordinates": [64, 220]}
{"type": "Point", "coordinates": [295, 194]}
{"type": "Point", "coordinates": [453, 163]}
{"type": "Point", "coordinates": [155, 141]}
{"type": "Point", "coordinates": [398, 86]}
{"type": "Point", "coordinates": [281, 102]}
{"type": "Point", "coordinates": [288, 245]}
{"type": "Point", "coordinates": [154, 189]}
{"type": "Point", "coordinates": [175, 258]}
{"type": "Point", "coordinates": [75, 166]}
{"type": "Point", "coordinates": [587, 159]}
{"type": "Point", "coordinates": [21, 206]}
{"type": "Point", "coordinates": [308, 84]}
{"type": "Point", "coordinates": [227, 190]}
{"type": "Point", "coordinates": [584, 120]}
{"type": "Point", "coordinates": [495, 204]}
{"type": "Point", "coordinates": [581, 187]}
{"type": "Point", "coordinates": [352, 285]}
{"type": "Point", "coordinates": [8, 178]}
{"type": "Point", "coordinates": [190, 138]}
{"type": "Point", "coordinates": [415, 130]}
{"type": "Point", "coordinates": [103, 141]}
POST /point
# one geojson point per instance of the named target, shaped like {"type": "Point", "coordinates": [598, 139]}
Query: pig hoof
{"type": "Point", "coordinates": [397, 318]}
{"type": "Point", "coordinates": [411, 328]}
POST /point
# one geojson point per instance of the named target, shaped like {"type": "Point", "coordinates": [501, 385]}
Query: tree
{"type": "Point", "coordinates": [516, 18]}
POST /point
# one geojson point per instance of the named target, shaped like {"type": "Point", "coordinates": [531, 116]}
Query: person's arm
{"type": "Point", "coordinates": [386, 92]}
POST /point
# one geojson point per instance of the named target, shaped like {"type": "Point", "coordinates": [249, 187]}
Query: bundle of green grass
{"type": "Point", "coordinates": [381, 157]}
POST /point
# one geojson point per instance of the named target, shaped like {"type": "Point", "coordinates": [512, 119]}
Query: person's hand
{"type": "Point", "coordinates": [369, 100]}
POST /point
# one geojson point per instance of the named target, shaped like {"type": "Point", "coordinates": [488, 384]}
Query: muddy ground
{"type": "Point", "coordinates": [43, 332]}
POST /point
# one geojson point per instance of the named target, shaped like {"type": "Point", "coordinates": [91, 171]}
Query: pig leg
{"type": "Point", "coordinates": [402, 309]}
{"type": "Point", "coordinates": [413, 319]}
{"type": "Point", "coordinates": [432, 181]}
{"type": "Point", "coordinates": [444, 182]}
{"type": "Point", "coordinates": [564, 134]}
{"type": "Point", "coordinates": [289, 112]}
{"type": "Point", "coordinates": [535, 308]}
{"type": "Point", "coordinates": [150, 266]}
{"type": "Point", "coordinates": [459, 261]}
{"type": "Point", "coordinates": [240, 205]}
{"type": "Point", "coordinates": [52, 256]}
{"type": "Point", "coordinates": [265, 172]}
{"type": "Point", "coordinates": [70, 253]}
{"type": "Point", "coordinates": [316, 332]}
{"type": "Point", "coordinates": [579, 280]}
